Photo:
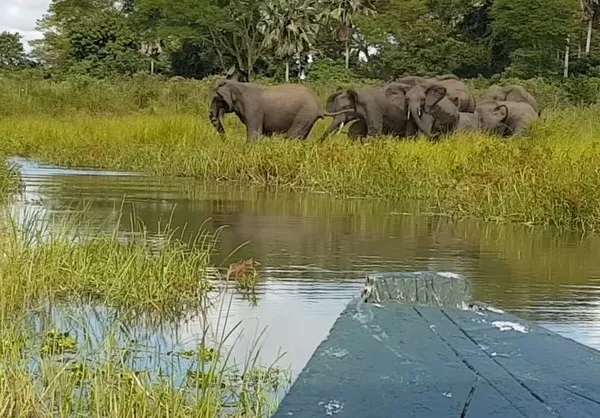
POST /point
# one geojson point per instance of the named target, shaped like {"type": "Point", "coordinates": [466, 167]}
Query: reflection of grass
{"type": "Point", "coordinates": [549, 178]}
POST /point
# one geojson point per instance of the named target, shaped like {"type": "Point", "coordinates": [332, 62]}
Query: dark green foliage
{"type": "Point", "coordinates": [12, 55]}
{"type": "Point", "coordinates": [379, 38]}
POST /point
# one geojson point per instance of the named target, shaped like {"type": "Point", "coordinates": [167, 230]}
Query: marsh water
{"type": "Point", "coordinates": [315, 251]}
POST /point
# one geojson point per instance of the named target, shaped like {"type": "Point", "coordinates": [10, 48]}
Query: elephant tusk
{"type": "Point", "coordinates": [408, 114]}
{"type": "Point", "coordinates": [419, 113]}
{"type": "Point", "coordinates": [341, 127]}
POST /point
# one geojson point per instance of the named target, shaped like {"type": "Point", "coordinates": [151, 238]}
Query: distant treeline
{"type": "Point", "coordinates": [322, 39]}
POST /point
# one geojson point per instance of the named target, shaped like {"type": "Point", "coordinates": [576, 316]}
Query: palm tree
{"type": "Point", "coordinates": [290, 28]}
{"type": "Point", "coordinates": [342, 12]}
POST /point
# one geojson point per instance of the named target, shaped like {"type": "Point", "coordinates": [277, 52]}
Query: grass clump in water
{"type": "Point", "coordinates": [163, 277]}
{"type": "Point", "coordinates": [54, 359]}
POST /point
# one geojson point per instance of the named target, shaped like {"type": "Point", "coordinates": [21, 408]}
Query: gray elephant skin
{"type": "Point", "coordinates": [467, 122]}
{"type": "Point", "coordinates": [457, 91]}
{"type": "Point", "coordinates": [505, 118]}
{"type": "Point", "coordinates": [382, 115]}
{"type": "Point", "coordinates": [428, 105]}
{"type": "Point", "coordinates": [290, 110]}
{"type": "Point", "coordinates": [511, 93]}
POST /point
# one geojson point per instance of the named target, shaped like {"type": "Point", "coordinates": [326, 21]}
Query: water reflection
{"type": "Point", "coordinates": [315, 251]}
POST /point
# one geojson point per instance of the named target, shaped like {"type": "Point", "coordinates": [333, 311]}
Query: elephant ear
{"type": "Point", "coordinates": [226, 94]}
{"type": "Point", "coordinates": [500, 112]}
{"type": "Point", "coordinates": [353, 96]}
{"type": "Point", "coordinates": [330, 105]}
{"type": "Point", "coordinates": [433, 95]}
{"type": "Point", "coordinates": [455, 101]}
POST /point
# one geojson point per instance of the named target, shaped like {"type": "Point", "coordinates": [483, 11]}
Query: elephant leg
{"type": "Point", "coordinates": [254, 129]}
{"type": "Point", "coordinates": [301, 127]}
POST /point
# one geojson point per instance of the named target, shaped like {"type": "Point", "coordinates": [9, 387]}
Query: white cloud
{"type": "Point", "coordinates": [21, 16]}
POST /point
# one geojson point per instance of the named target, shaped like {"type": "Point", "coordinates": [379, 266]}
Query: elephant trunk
{"type": "Point", "coordinates": [216, 116]}
{"type": "Point", "coordinates": [416, 114]}
{"type": "Point", "coordinates": [338, 121]}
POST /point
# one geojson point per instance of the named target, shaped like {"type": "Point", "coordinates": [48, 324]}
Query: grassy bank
{"type": "Point", "coordinates": [549, 178]}
{"type": "Point", "coordinates": [56, 359]}
{"type": "Point", "coordinates": [161, 127]}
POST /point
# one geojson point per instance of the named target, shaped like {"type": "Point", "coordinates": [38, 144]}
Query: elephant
{"type": "Point", "coordinates": [337, 102]}
{"type": "Point", "coordinates": [467, 122]}
{"type": "Point", "coordinates": [457, 91]}
{"type": "Point", "coordinates": [411, 80]}
{"type": "Point", "coordinates": [511, 93]}
{"type": "Point", "coordinates": [288, 109]}
{"type": "Point", "coordinates": [429, 107]}
{"type": "Point", "coordinates": [382, 115]}
{"type": "Point", "coordinates": [505, 118]}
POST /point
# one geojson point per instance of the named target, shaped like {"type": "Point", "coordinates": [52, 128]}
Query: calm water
{"type": "Point", "coordinates": [315, 251]}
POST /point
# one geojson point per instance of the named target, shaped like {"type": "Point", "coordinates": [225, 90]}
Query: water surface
{"type": "Point", "coordinates": [315, 250]}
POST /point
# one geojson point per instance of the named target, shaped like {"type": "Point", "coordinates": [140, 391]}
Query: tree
{"type": "Point", "coordinates": [290, 28]}
{"type": "Point", "coordinates": [12, 55]}
{"type": "Point", "coordinates": [591, 11]}
{"type": "Point", "coordinates": [342, 12]}
{"type": "Point", "coordinates": [533, 33]}
{"type": "Point", "coordinates": [93, 37]}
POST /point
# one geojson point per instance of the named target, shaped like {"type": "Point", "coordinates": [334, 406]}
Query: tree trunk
{"type": "Point", "coordinates": [151, 66]}
{"type": "Point", "coordinates": [287, 71]}
{"type": "Point", "coordinates": [588, 41]}
{"type": "Point", "coordinates": [566, 66]}
{"type": "Point", "coordinates": [347, 53]}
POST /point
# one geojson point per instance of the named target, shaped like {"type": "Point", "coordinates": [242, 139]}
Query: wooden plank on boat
{"type": "Point", "coordinates": [425, 357]}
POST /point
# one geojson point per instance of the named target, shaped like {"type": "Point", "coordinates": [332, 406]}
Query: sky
{"type": "Point", "coordinates": [21, 16]}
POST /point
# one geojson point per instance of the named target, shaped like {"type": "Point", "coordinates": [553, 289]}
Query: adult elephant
{"type": "Point", "coordinates": [511, 93]}
{"type": "Point", "coordinates": [288, 109]}
{"type": "Point", "coordinates": [429, 107]}
{"type": "Point", "coordinates": [505, 118]}
{"type": "Point", "coordinates": [382, 114]}
{"type": "Point", "coordinates": [457, 91]}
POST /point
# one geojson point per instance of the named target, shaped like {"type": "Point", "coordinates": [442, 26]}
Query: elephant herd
{"type": "Point", "coordinates": [403, 108]}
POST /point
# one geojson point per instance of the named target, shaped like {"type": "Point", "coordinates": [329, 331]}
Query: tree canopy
{"type": "Point", "coordinates": [374, 38]}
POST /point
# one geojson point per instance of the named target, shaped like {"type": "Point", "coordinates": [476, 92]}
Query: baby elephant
{"type": "Point", "coordinates": [505, 118]}
{"type": "Point", "coordinates": [289, 109]}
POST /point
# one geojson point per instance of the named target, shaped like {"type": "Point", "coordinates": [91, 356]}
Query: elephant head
{"type": "Point", "coordinates": [223, 101]}
{"type": "Point", "coordinates": [421, 100]}
{"type": "Point", "coordinates": [492, 117]}
{"type": "Point", "coordinates": [338, 102]}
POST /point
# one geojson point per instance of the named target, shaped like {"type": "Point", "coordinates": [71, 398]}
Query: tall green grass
{"type": "Point", "coordinates": [46, 370]}
{"type": "Point", "coordinates": [550, 177]}
{"type": "Point", "coordinates": [46, 261]}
